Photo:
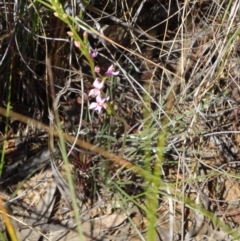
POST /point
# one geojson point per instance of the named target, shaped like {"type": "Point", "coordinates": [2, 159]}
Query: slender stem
{"type": "Point", "coordinates": [124, 135]}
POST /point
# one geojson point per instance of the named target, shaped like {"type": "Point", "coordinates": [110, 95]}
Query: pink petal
{"type": "Point", "coordinates": [91, 92]}
{"type": "Point", "coordinates": [97, 84]}
{"type": "Point", "coordinates": [93, 53]}
{"type": "Point", "coordinates": [110, 68]}
{"type": "Point", "coordinates": [77, 44]}
{"type": "Point", "coordinates": [100, 100]}
{"type": "Point", "coordinates": [93, 105]}
{"type": "Point", "coordinates": [99, 109]}
{"type": "Point", "coordinates": [111, 72]}
{"type": "Point", "coordinates": [115, 73]}
{"type": "Point", "coordinates": [94, 92]}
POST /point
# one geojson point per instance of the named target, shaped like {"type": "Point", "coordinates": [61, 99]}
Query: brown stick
{"type": "Point", "coordinates": [81, 143]}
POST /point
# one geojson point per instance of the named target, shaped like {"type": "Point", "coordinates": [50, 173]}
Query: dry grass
{"type": "Point", "coordinates": [172, 145]}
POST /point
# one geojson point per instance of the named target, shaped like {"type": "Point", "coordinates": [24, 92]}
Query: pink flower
{"type": "Point", "coordinates": [70, 33]}
{"type": "Point", "coordinates": [110, 71]}
{"type": "Point", "coordinates": [77, 44]}
{"type": "Point", "coordinates": [99, 104]}
{"type": "Point", "coordinates": [93, 53]}
{"type": "Point", "coordinates": [97, 87]}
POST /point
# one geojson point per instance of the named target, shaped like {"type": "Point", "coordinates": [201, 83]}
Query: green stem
{"type": "Point", "coordinates": [125, 133]}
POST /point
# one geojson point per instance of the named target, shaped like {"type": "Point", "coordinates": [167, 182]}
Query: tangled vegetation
{"type": "Point", "coordinates": [119, 120]}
